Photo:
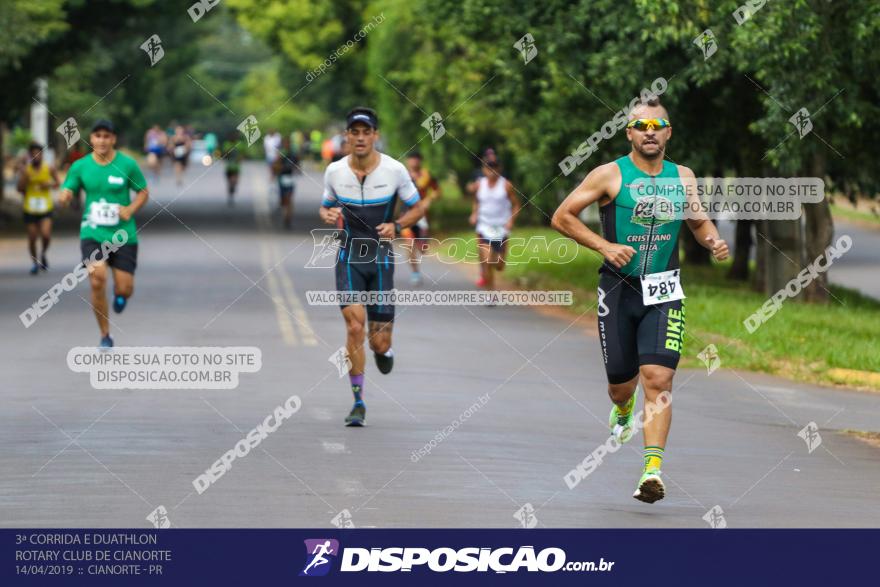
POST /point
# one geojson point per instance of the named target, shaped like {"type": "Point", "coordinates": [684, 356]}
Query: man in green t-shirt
{"type": "Point", "coordinates": [107, 232]}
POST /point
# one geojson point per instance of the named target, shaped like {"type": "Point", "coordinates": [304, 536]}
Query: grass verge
{"type": "Point", "coordinates": [806, 342]}
{"type": "Point", "coordinates": [859, 216]}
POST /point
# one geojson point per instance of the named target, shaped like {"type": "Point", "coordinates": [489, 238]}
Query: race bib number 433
{"type": "Point", "coordinates": [662, 287]}
{"type": "Point", "coordinates": [104, 214]}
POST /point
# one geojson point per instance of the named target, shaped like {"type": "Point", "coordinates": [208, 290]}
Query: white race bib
{"type": "Point", "coordinates": [104, 214]}
{"type": "Point", "coordinates": [180, 151]}
{"type": "Point", "coordinates": [37, 205]}
{"type": "Point", "coordinates": [285, 180]}
{"type": "Point", "coordinates": [493, 232]}
{"type": "Point", "coordinates": [662, 287]}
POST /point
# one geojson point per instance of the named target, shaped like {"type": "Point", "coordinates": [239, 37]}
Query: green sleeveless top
{"type": "Point", "coordinates": [645, 215]}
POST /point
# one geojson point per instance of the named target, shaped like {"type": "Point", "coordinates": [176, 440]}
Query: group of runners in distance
{"type": "Point", "coordinates": [373, 198]}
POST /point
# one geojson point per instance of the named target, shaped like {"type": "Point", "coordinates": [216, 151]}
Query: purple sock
{"type": "Point", "coordinates": [357, 386]}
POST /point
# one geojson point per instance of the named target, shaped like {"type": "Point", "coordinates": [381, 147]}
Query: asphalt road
{"type": "Point", "coordinates": [210, 275]}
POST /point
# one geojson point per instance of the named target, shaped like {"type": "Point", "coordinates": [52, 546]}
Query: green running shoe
{"type": "Point", "coordinates": [650, 487]}
{"type": "Point", "coordinates": [622, 426]}
{"type": "Point", "coordinates": [358, 415]}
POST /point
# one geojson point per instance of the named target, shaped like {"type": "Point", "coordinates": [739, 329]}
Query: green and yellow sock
{"type": "Point", "coordinates": [627, 408]}
{"type": "Point", "coordinates": [653, 457]}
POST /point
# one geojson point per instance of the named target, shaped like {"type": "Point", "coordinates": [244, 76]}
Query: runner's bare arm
{"type": "Point", "coordinates": [386, 229]}
{"type": "Point", "coordinates": [329, 215]}
{"type": "Point", "coordinates": [701, 226]}
{"type": "Point", "coordinates": [22, 181]}
{"type": "Point", "coordinates": [515, 205]}
{"type": "Point", "coordinates": [329, 210]}
{"type": "Point", "coordinates": [432, 192]}
{"type": "Point", "coordinates": [414, 214]}
{"type": "Point", "coordinates": [471, 187]}
{"type": "Point", "coordinates": [598, 185]}
{"type": "Point", "coordinates": [126, 212]}
{"type": "Point", "coordinates": [435, 193]}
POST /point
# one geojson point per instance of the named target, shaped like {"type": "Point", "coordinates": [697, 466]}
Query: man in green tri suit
{"type": "Point", "coordinates": [641, 312]}
{"type": "Point", "coordinates": [108, 235]}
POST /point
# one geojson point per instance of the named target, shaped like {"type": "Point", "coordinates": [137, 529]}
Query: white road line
{"type": "Point", "coordinates": [334, 448]}
{"type": "Point", "coordinates": [281, 312]}
{"type": "Point", "coordinates": [299, 313]}
{"type": "Point", "coordinates": [322, 414]}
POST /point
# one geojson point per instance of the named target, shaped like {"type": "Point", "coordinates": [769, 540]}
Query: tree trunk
{"type": "Point", "coordinates": [819, 231]}
{"type": "Point", "coordinates": [759, 278]}
{"type": "Point", "coordinates": [694, 252]}
{"type": "Point", "coordinates": [782, 253]}
{"type": "Point", "coordinates": [739, 270]}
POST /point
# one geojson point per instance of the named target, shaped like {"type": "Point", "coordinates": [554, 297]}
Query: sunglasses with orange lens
{"type": "Point", "coordinates": [643, 124]}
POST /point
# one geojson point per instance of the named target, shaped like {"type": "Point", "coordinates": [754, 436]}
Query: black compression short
{"type": "Point", "coordinates": [374, 272]}
{"type": "Point", "coordinates": [633, 334]}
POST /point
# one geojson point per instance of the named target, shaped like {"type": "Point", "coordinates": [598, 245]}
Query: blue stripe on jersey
{"type": "Point", "coordinates": [359, 202]}
{"type": "Point", "coordinates": [415, 198]}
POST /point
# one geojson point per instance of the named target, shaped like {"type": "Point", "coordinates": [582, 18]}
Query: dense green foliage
{"type": "Point", "coordinates": [730, 111]}
{"type": "Point", "coordinates": [303, 63]}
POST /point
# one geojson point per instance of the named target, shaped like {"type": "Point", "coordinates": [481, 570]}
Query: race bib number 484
{"type": "Point", "coordinates": [104, 214]}
{"type": "Point", "coordinates": [662, 287]}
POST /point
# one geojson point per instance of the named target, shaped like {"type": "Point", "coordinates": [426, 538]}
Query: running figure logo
{"type": "Point", "coordinates": [154, 50]}
{"type": "Point", "coordinates": [526, 516]}
{"type": "Point", "coordinates": [801, 121]}
{"type": "Point", "coordinates": [527, 48]}
{"type": "Point", "coordinates": [707, 44]}
{"type": "Point", "coordinates": [343, 520]}
{"type": "Point", "coordinates": [317, 551]}
{"type": "Point", "coordinates": [326, 243]}
{"type": "Point", "coordinates": [810, 434]}
{"type": "Point", "coordinates": [70, 131]}
{"type": "Point", "coordinates": [249, 129]}
{"type": "Point", "coordinates": [710, 358]}
{"type": "Point", "coordinates": [342, 362]}
{"type": "Point", "coordinates": [434, 125]}
{"type": "Point", "coordinates": [159, 518]}
{"type": "Point", "coordinates": [715, 518]}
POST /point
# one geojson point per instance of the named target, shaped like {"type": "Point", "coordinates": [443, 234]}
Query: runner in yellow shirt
{"type": "Point", "coordinates": [34, 183]}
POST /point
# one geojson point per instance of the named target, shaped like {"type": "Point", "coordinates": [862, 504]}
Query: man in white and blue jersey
{"type": "Point", "coordinates": [361, 192]}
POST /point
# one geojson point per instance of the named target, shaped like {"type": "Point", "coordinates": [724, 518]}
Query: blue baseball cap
{"type": "Point", "coordinates": [103, 124]}
{"type": "Point", "coordinates": [362, 115]}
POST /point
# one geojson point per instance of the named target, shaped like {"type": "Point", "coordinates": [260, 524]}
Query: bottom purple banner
{"type": "Point", "coordinates": [434, 557]}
